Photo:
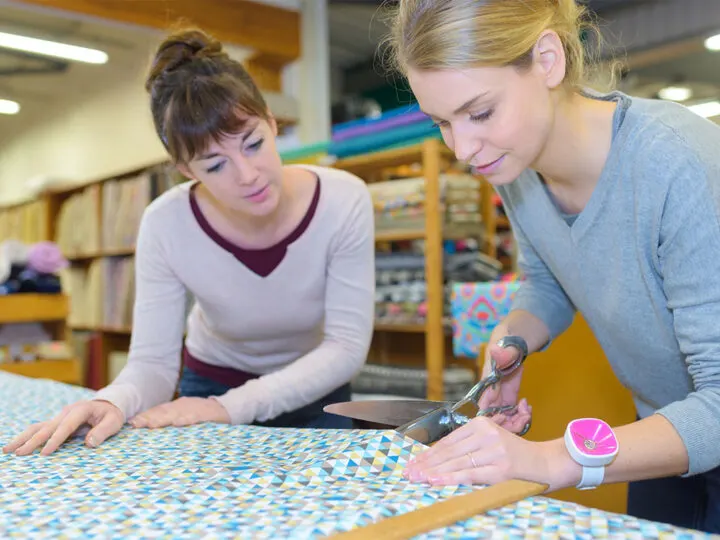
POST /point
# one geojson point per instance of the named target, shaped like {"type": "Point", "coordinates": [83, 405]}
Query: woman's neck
{"type": "Point", "coordinates": [576, 150]}
{"type": "Point", "coordinates": [262, 229]}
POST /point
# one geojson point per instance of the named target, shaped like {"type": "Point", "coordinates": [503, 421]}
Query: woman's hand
{"type": "Point", "coordinates": [483, 452]}
{"type": "Point", "coordinates": [184, 411]}
{"type": "Point", "coordinates": [506, 392]}
{"type": "Point", "coordinates": [104, 418]}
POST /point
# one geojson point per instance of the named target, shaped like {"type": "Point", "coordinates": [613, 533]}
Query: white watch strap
{"type": "Point", "coordinates": [592, 477]}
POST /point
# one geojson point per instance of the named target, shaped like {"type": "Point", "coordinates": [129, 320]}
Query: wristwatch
{"type": "Point", "coordinates": [591, 443]}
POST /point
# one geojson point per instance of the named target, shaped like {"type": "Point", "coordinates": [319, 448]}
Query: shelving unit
{"type": "Point", "coordinates": [51, 310]}
{"type": "Point", "coordinates": [434, 158]}
{"type": "Point", "coordinates": [429, 159]}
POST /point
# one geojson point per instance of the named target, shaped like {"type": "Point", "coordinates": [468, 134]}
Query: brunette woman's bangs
{"type": "Point", "coordinates": [209, 110]}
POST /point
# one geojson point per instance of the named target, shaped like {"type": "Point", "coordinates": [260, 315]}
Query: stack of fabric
{"type": "Point", "coordinates": [313, 154]}
{"type": "Point", "coordinates": [400, 204]}
{"type": "Point", "coordinates": [397, 127]}
{"type": "Point", "coordinates": [30, 268]}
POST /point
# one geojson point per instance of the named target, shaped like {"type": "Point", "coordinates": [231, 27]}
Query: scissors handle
{"type": "Point", "coordinates": [520, 344]}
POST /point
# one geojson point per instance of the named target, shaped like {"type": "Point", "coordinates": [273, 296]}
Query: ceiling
{"type": "Point", "coordinates": [355, 28]}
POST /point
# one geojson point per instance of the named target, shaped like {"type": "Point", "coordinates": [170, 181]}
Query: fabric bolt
{"type": "Point", "coordinates": [640, 262]}
{"type": "Point", "coordinates": [380, 125]}
{"type": "Point", "coordinates": [224, 481]}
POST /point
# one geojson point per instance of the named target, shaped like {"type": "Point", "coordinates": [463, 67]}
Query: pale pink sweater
{"type": "Point", "coordinates": [306, 327]}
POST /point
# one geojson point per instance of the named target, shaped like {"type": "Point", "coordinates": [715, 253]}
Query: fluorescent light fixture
{"type": "Point", "coordinates": [9, 107]}
{"type": "Point", "coordinates": [675, 93]}
{"type": "Point", "coordinates": [713, 43]}
{"type": "Point", "coordinates": [52, 48]}
{"type": "Point", "coordinates": [707, 109]}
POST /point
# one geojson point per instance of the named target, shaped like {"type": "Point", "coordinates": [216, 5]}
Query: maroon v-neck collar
{"type": "Point", "coordinates": [261, 261]}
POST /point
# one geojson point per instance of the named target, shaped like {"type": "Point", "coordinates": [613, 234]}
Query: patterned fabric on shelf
{"type": "Point", "coordinates": [476, 310]}
{"type": "Point", "coordinates": [241, 482]}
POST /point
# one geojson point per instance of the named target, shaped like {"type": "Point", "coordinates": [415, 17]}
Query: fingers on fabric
{"type": "Point", "coordinates": [104, 427]}
{"type": "Point", "coordinates": [66, 427]}
{"type": "Point", "coordinates": [175, 413]}
{"type": "Point", "coordinates": [478, 453]}
{"type": "Point", "coordinates": [23, 438]}
{"type": "Point", "coordinates": [38, 434]}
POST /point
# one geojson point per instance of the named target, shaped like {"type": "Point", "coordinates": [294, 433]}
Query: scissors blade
{"type": "Point", "coordinates": [389, 412]}
{"type": "Point", "coordinates": [440, 422]}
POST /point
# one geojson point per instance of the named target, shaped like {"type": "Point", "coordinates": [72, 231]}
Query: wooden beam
{"type": "Point", "coordinates": [663, 53]}
{"type": "Point", "coordinates": [266, 29]}
{"type": "Point", "coordinates": [266, 71]}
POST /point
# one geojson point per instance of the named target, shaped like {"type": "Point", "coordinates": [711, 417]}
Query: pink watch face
{"type": "Point", "coordinates": [593, 437]}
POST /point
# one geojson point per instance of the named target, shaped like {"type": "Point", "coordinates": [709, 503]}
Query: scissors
{"type": "Point", "coordinates": [429, 421]}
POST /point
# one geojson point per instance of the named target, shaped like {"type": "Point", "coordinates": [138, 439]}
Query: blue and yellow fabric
{"type": "Point", "coordinates": [222, 481]}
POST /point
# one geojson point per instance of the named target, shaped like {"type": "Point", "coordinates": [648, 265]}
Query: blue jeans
{"type": "Point", "coordinates": [309, 416]}
{"type": "Point", "coordinates": [692, 502]}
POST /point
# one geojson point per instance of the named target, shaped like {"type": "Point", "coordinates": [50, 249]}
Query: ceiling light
{"type": "Point", "coordinates": [675, 93]}
{"type": "Point", "coordinates": [51, 48]}
{"type": "Point", "coordinates": [713, 43]}
{"type": "Point", "coordinates": [707, 109]}
{"type": "Point", "coordinates": [9, 107]}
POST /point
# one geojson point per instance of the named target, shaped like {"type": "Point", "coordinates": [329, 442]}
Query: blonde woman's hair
{"type": "Point", "coordinates": [461, 34]}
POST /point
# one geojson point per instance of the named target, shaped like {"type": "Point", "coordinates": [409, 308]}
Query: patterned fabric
{"type": "Point", "coordinates": [476, 309]}
{"type": "Point", "coordinates": [241, 482]}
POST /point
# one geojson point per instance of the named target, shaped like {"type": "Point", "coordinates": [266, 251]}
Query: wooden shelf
{"type": "Point", "coordinates": [386, 158]}
{"type": "Point", "coordinates": [121, 252]}
{"type": "Point", "coordinates": [105, 329]}
{"type": "Point", "coordinates": [31, 307]}
{"type": "Point", "coordinates": [409, 328]}
{"type": "Point", "coordinates": [67, 371]}
{"type": "Point", "coordinates": [454, 232]}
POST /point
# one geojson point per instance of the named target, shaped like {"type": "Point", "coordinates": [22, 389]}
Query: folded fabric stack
{"type": "Point", "coordinates": [30, 268]}
{"type": "Point", "coordinates": [402, 126]}
{"type": "Point", "coordinates": [400, 204]}
{"type": "Point", "coordinates": [312, 154]}
{"type": "Point", "coordinates": [400, 286]}
{"type": "Point", "coordinates": [409, 382]}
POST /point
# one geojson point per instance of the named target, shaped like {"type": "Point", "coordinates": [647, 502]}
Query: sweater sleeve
{"type": "Point", "coordinates": [152, 370]}
{"type": "Point", "coordinates": [540, 293]}
{"type": "Point", "coordinates": [689, 263]}
{"type": "Point", "coordinates": [349, 315]}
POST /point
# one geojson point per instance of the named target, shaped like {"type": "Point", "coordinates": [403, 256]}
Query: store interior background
{"type": "Point", "coordinates": [78, 123]}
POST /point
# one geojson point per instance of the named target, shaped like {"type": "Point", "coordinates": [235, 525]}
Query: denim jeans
{"type": "Point", "coordinates": [692, 502]}
{"type": "Point", "coordinates": [309, 416]}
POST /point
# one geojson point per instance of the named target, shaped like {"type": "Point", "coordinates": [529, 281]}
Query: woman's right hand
{"type": "Point", "coordinates": [104, 418]}
{"type": "Point", "coordinates": [506, 392]}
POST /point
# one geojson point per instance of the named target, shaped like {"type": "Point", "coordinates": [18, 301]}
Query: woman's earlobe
{"type": "Point", "coordinates": [550, 55]}
{"type": "Point", "coordinates": [185, 171]}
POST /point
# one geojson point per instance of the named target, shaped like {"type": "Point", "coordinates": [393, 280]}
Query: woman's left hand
{"type": "Point", "coordinates": [184, 411]}
{"type": "Point", "coordinates": [480, 452]}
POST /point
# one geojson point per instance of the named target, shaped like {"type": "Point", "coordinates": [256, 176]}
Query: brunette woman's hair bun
{"type": "Point", "coordinates": [179, 49]}
{"type": "Point", "coordinates": [199, 94]}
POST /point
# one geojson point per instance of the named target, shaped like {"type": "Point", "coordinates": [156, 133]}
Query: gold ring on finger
{"type": "Point", "coordinates": [472, 460]}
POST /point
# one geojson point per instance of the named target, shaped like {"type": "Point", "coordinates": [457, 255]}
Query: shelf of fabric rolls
{"type": "Point", "coordinates": [33, 337]}
{"type": "Point", "coordinates": [428, 164]}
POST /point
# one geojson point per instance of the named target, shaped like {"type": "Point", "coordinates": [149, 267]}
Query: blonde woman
{"type": "Point", "coordinates": [615, 204]}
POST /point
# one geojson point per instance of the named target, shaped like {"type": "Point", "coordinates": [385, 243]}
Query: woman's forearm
{"type": "Point", "coordinates": [649, 448]}
{"type": "Point", "coordinates": [524, 324]}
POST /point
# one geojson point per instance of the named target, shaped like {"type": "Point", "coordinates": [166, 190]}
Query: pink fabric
{"type": "Point", "coordinates": [46, 258]}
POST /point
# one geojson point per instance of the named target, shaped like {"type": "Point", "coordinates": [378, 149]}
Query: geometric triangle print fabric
{"type": "Point", "coordinates": [219, 481]}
